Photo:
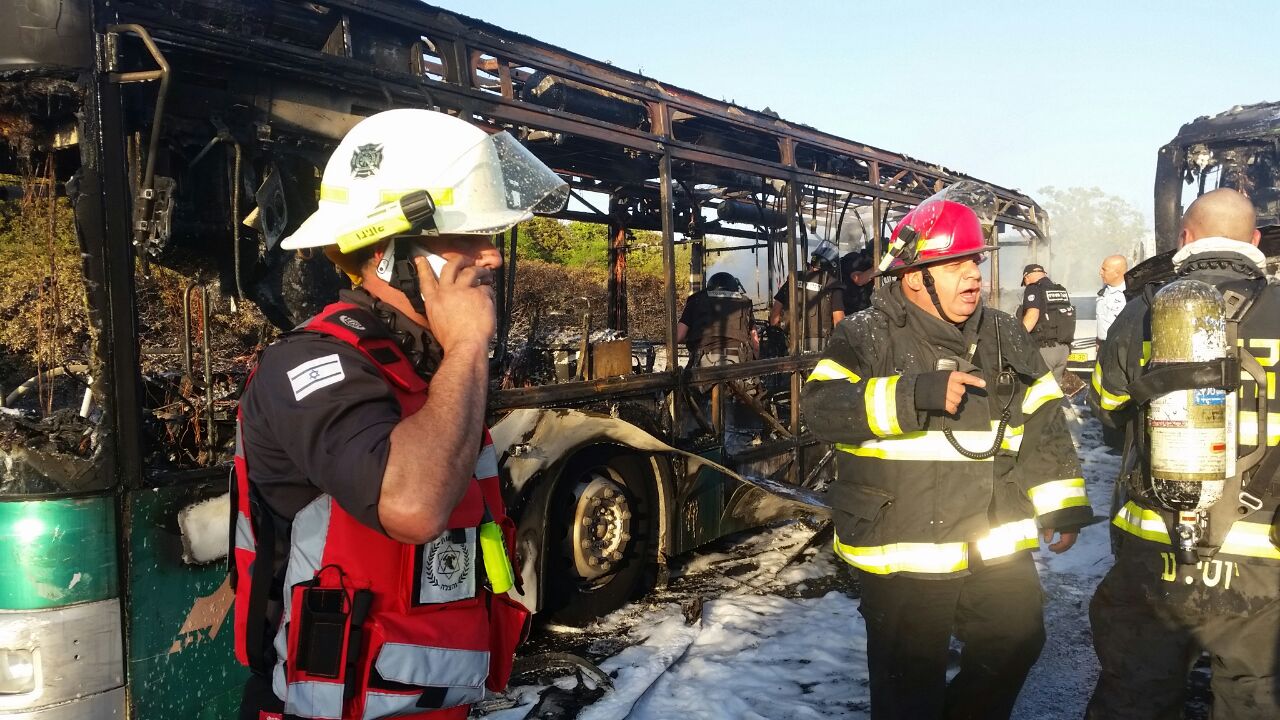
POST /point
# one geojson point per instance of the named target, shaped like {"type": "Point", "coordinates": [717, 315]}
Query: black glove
{"type": "Point", "coordinates": [931, 390]}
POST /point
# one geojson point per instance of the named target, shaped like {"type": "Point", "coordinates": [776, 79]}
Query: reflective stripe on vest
{"type": "Point", "coordinates": [940, 558]}
{"type": "Point", "coordinates": [1247, 539]}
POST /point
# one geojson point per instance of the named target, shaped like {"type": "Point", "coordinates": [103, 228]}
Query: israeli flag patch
{"type": "Point", "coordinates": [312, 375]}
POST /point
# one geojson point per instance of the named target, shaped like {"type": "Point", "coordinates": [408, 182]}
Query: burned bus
{"type": "Point", "coordinates": [155, 153]}
{"type": "Point", "coordinates": [1238, 148]}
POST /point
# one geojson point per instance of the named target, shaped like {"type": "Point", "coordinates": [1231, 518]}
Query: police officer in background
{"type": "Point", "coordinates": [1155, 612]}
{"type": "Point", "coordinates": [822, 293]}
{"type": "Point", "coordinates": [954, 461]}
{"type": "Point", "coordinates": [1047, 313]}
{"type": "Point", "coordinates": [1111, 297]}
{"type": "Point", "coordinates": [372, 548]}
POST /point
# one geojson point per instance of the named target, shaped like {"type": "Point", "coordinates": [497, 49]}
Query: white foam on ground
{"type": "Point", "coordinates": [756, 656]}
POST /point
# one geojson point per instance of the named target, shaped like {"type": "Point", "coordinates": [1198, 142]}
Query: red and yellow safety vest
{"type": "Point", "coordinates": [371, 627]}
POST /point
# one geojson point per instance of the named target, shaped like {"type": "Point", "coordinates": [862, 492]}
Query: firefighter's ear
{"type": "Point", "coordinates": [913, 279]}
{"type": "Point", "coordinates": [1257, 237]}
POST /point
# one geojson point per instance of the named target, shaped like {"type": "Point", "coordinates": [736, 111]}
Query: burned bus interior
{"type": "Point", "coordinates": [173, 149]}
{"type": "Point", "coordinates": [203, 135]}
{"type": "Point", "coordinates": [1238, 148]}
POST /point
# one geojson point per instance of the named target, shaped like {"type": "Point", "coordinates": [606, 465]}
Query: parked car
{"type": "Point", "coordinates": [1084, 348]}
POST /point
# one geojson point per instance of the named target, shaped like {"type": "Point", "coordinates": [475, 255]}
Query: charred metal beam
{"type": "Point", "coordinates": [108, 239]}
{"type": "Point", "coordinates": [453, 31]}
{"type": "Point", "coordinates": [615, 388]}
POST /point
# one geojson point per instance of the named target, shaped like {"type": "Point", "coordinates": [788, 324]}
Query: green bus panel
{"type": "Point", "coordinates": [700, 500]}
{"type": "Point", "coordinates": [181, 659]}
{"type": "Point", "coordinates": [57, 552]}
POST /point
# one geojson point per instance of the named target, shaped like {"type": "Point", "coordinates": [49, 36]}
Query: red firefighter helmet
{"type": "Point", "coordinates": [941, 228]}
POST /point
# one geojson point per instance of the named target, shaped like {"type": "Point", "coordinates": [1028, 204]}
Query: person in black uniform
{"type": "Point", "coordinates": [716, 323]}
{"type": "Point", "coordinates": [822, 293]}
{"type": "Point", "coordinates": [1047, 313]}
{"type": "Point", "coordinates": [324, 426]}
{"type": "Point", "coordinates": [858, 275]}
{"type": "Point", "coordinates": [1155, 613]}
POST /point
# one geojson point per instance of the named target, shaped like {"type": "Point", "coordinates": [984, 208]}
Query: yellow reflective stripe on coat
{"type": "Point", "coordinates": [906, 557]}
{"type": "Point", "coordinates": [1146, 524]}
{"type": "Point", "coordinates": [1041, 391]}
{"type": "Point", "coordinates": [832, 370]}
{"type": "Point", "coordinates": [1108, 400]}
{"type": "Point", "coordinates": [1058, 495]}
{"type": "Point", "coordinates": [1249, 539]}
{"type": "Point", "coordinates": [1008, 539]}
{"type": "Point", "coordinates": [881, 398]}
{"type": "Point", "coordinates": [932, 445]}
{"type": "Point", "coordinates": [1248, 428]}
{"type": "Point", "coordinates": [940, 558]}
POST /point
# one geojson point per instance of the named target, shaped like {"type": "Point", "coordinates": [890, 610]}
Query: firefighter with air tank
{"type": "Point", "coordinates": [1187, 371]}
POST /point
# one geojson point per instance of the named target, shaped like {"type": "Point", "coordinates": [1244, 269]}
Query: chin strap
{"type": "Point", "coordinates": [401, 275]}
{"type": "Point", "coordinates": [933, 295]}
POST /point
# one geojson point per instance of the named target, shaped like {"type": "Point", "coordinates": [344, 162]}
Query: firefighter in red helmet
{"type": "Point", "coordinates": [954, 461]}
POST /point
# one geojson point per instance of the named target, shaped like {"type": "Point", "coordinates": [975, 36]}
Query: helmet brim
{"type": "Point", "coordinates": [894, 270]}
{"type": "Point", "coordinates": [317, 230]}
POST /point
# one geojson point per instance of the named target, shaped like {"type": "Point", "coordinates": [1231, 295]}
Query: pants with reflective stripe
{"type": "Point", "coordinates": [997, 612]}
{"type": "Point", "coordinates": [1151, 620]}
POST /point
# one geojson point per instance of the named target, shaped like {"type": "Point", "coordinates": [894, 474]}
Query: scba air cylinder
{"type": "Point", "coordinates": [1191, 433]}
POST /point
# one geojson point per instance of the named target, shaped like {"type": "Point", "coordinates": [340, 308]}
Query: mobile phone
{"type": "Point", "coordinates": [436, 262]}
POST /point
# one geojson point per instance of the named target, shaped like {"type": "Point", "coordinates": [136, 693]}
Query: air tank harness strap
{"type": "Point", "coordinates": [1221, 373]}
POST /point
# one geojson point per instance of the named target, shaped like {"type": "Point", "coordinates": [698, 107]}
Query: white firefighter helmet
{"type": "Point", "coordinates": [478, 183]}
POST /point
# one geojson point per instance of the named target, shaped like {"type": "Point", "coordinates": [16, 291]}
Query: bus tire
{"type": "Point", "coordinates": [600, 537]}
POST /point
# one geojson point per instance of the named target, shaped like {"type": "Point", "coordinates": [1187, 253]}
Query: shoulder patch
{"type": "Point", "coordinates": [1031, 297]}
{"type": "Point", "coordinates": [313, 375]}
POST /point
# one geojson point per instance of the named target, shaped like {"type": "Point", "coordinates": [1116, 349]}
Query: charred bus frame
{"type": "Point", "coordinates": [287, 77]}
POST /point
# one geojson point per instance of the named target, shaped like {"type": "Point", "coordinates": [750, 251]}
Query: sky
{"type": "Point", "coordinates": [1021, 94]}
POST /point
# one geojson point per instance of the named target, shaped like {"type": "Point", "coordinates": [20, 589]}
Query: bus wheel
{"type": "Point", "coordinates": [600, 537]}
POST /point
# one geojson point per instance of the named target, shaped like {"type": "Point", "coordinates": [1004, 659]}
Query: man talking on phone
{"type": "Point", "coordinates": [372, 549]}
{"type": "Point", "coordinates": [953, 462]}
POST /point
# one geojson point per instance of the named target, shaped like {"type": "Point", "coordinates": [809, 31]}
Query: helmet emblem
{"type": "Point", "coordinates": [366, 160]}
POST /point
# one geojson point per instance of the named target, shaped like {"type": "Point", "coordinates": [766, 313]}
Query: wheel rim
{"type": "Point", "coordinates": [601, 526]}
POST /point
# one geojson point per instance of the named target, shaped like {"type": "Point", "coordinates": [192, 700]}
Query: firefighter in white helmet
{"type": "Point", "coordinates": [1196, 566]}
{"type": "Point", "coordinates": [372, 549]}
{"type": "Point", "coordinates": [954, 461]}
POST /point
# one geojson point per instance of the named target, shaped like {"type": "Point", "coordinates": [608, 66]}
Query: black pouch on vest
{"type": "Point", "coordinates": [322, 631]}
